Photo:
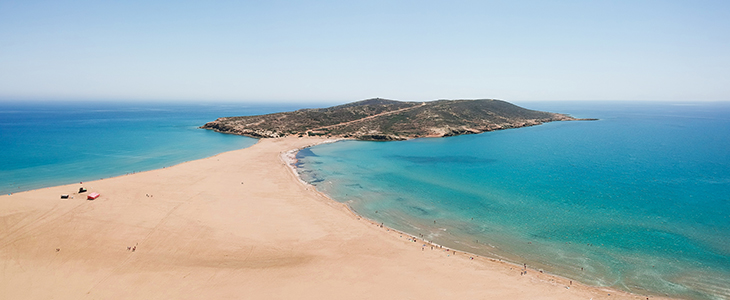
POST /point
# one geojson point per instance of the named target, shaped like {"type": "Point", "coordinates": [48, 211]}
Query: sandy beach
{"type": "Point", "coordinates": [238, 225]}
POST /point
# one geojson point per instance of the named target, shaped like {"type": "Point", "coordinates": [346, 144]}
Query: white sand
{"type": "Point", "coordinates": [239, 225]}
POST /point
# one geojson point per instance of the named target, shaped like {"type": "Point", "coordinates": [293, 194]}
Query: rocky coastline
{"type": "Point", "coordinates": [388, 120]}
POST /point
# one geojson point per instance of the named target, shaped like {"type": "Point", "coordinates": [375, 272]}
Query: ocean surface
{"type": "Point", "coordinates": [51, 143]}
{"type": "Point", "coordinates": [639, 200]}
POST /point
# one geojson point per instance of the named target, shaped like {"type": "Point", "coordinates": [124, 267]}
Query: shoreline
{"type": "Point", "coordinates": [289, 158]}
{"type": "Point", "coordinates": [237, 224]}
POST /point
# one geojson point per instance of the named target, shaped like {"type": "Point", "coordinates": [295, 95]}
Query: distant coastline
{"type": "Point", "coordinates": [388, 120]}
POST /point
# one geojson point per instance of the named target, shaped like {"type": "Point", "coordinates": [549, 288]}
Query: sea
{"type": "Point", "coordinates": [638, 200]}
{"type": "Point", "coordinates": [49, 143]}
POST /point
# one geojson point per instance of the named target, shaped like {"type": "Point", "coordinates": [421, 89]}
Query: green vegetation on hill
{"type": "Point", "coordinates": [385, 120]}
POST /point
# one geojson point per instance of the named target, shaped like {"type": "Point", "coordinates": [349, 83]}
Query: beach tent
{"type": "Point", "coordinates": [92, 196]}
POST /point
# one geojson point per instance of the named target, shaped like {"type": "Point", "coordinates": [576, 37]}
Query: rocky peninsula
{"type": "Point", "coordinates": [388, 120]}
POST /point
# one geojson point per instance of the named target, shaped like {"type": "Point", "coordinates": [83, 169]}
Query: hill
{"type": "Point", "coordinates": [386, 120]}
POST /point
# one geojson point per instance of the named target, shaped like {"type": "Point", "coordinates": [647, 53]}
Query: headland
{"type": "Point", "coordinates": [388, 120]}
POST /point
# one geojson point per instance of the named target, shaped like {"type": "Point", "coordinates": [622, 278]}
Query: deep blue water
{"type": "Point", "coordinates": [640, 200]}
{"type": "Point", "coordinates": [51, 143]}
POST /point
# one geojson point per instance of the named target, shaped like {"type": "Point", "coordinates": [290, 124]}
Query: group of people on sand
{"type": "Point", "coordinates": [132, 248]}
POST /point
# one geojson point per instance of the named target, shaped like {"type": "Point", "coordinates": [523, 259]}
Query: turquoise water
{"type": "Point", "coordinates": [639, 200]}
{"type": "Point", "coordinates": [48, 144]}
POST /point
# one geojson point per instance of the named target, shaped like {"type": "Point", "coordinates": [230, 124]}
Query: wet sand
{"type": "Point", "coordinates": [238, 225]}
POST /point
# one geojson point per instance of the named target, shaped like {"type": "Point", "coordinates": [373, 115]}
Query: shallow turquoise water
{"type": "Point", "coordinates": [48, 144]}
{"type": "Point", "coordinates": [640, 200]}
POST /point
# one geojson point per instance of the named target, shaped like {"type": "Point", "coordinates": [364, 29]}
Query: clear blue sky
{"type": "Point", "coordinates": [343, 51]}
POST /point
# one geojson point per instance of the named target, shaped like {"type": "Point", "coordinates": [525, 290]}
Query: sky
{"type": "Point", "coordinates": [342, 51]}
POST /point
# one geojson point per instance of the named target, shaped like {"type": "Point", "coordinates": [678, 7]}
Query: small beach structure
{"type": "Point", "coordinates": [92, 196]}
{"type": "Point", "coordinates": [64, 196]}
{"type": "Point", "coordinates": [82, 190]}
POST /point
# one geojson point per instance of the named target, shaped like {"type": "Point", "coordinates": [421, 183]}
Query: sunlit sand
{"type": "Point", "coordinates": [238, 225]}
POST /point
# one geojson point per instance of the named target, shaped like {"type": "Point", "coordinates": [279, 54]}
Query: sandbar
{"type": "Point", "coordinates": [238, 225]}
